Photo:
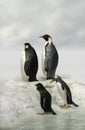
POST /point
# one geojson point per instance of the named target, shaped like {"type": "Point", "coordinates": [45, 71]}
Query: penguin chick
{"type": "Point", "coordinates": [50, 57]}
{"type": "Point", "coordinates": [29, 63]}
{"type": "Point", "coordinates": [65, 92]}
{"type": "Point", "coordinates": [45, 99]}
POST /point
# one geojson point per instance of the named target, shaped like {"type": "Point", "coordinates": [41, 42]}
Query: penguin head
{"type": "Point", "coordinates": [27, 46]}
{"type": "Point", "coordinates": [46, 37]}
{"type": "Point", "coordinates": [40, 87]}
{"type": "Point", "coordinates": [57, 77]}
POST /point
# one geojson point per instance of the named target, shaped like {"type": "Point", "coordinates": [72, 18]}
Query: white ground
{"type": "Point", "coordinates": [19, 101]}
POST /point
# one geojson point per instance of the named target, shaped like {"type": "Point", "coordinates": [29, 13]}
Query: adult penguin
{"type": "Point", "coordinates": [50, 57]}
{"type": "Point", "coordinates": [45, 99]}
{"type": "Point", "coordinates": [64, 92]}
{"type": "Point", "coordinates": [29, 63]}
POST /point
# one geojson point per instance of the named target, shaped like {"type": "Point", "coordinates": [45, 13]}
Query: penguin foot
{"type": "Point", "coordinates": [64, 106]}
{"type": "Point", "coordinates": [41, 113]}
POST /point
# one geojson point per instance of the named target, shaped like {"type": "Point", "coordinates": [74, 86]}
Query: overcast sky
{"type": "Point", "coordinates": [25, 20]}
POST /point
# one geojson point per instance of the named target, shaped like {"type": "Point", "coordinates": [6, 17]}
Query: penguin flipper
{"type": "Point", "coordinates": [27, 67]}
{"type": "Point", "coordinates": [41, 102]}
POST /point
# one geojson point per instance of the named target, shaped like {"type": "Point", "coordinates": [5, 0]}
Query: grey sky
{"type": "Point", "coordinates": [25, 20]}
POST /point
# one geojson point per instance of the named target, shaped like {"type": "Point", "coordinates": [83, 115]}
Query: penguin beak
{"type": "Point", "coordinates": [40, 36]}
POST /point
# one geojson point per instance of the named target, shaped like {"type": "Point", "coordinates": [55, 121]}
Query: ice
{"type": "Point", "coordinates": [19, 100]}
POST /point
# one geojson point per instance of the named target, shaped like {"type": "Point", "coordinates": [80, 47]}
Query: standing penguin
{"type": "Point", "coordinates": [29, 63]}
{"type": "Point", "coordinates": [50, 57]}
{"type": "Point", "coordinates": [64, 92]}
{"type": "Point", "coordinates": [45, 99]}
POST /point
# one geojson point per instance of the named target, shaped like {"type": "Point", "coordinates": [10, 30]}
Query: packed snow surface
{"type": "Point", "coordinates": [19, 100]}
{"type": "Point", "coordinates": [19, 105]}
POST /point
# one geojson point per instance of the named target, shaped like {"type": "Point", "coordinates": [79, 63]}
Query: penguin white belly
{"type": "Point", "coordinates": [23, 74]}
{"type": "Point", "coordinates": [62, 93]}
{"type": "Point", "coordinates": [43, 62]}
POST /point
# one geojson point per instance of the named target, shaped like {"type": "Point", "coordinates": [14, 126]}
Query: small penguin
{"type": "Point", "coordinates": [64, 92]}
{"type": "Point", "coordinates": [29, 63]}
{"type": "Point", "coordinates": [50, 57]}
{"type": "Point", "coordinates": [45, 99]}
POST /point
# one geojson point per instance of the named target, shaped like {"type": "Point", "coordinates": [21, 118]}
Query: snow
{"type": "Point", "coordinates": [19, 105]}
{"type": "Point", "coordinates": [19, 100]}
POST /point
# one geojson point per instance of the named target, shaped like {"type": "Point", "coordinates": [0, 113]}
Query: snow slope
{"type": "Point", "coordinates": [19, 100]}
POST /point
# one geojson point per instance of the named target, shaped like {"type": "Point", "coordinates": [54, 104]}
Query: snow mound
{"type": "Point", "coordinates": [20, 100]}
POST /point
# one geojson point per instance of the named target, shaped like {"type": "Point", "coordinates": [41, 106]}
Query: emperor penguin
{"type": "Point", "coordinates": [50, 57]}
{"type": "Point", "coordinates": [64, 92]}
{"type": "Point", "coordinates": [45, 100]}
{"type": "Point", "coordinates": [29, 63]}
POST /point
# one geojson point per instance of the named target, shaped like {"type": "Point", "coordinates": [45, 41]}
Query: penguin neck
{"type": "Point", "coordinates": [49, 41]}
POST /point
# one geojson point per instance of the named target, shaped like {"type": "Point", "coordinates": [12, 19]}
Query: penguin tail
{"type": "Point", "coordinates": [74, 104]}
{"type": "Point", "coordinates": [53, 113]}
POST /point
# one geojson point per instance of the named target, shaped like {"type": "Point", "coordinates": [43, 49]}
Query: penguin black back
{"type": "Point", "coordinates": [45, 99]}
{"type": "Point", "coordinates": [31, 62]}
{"type": "Point", "coordinates": [50, 57]}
